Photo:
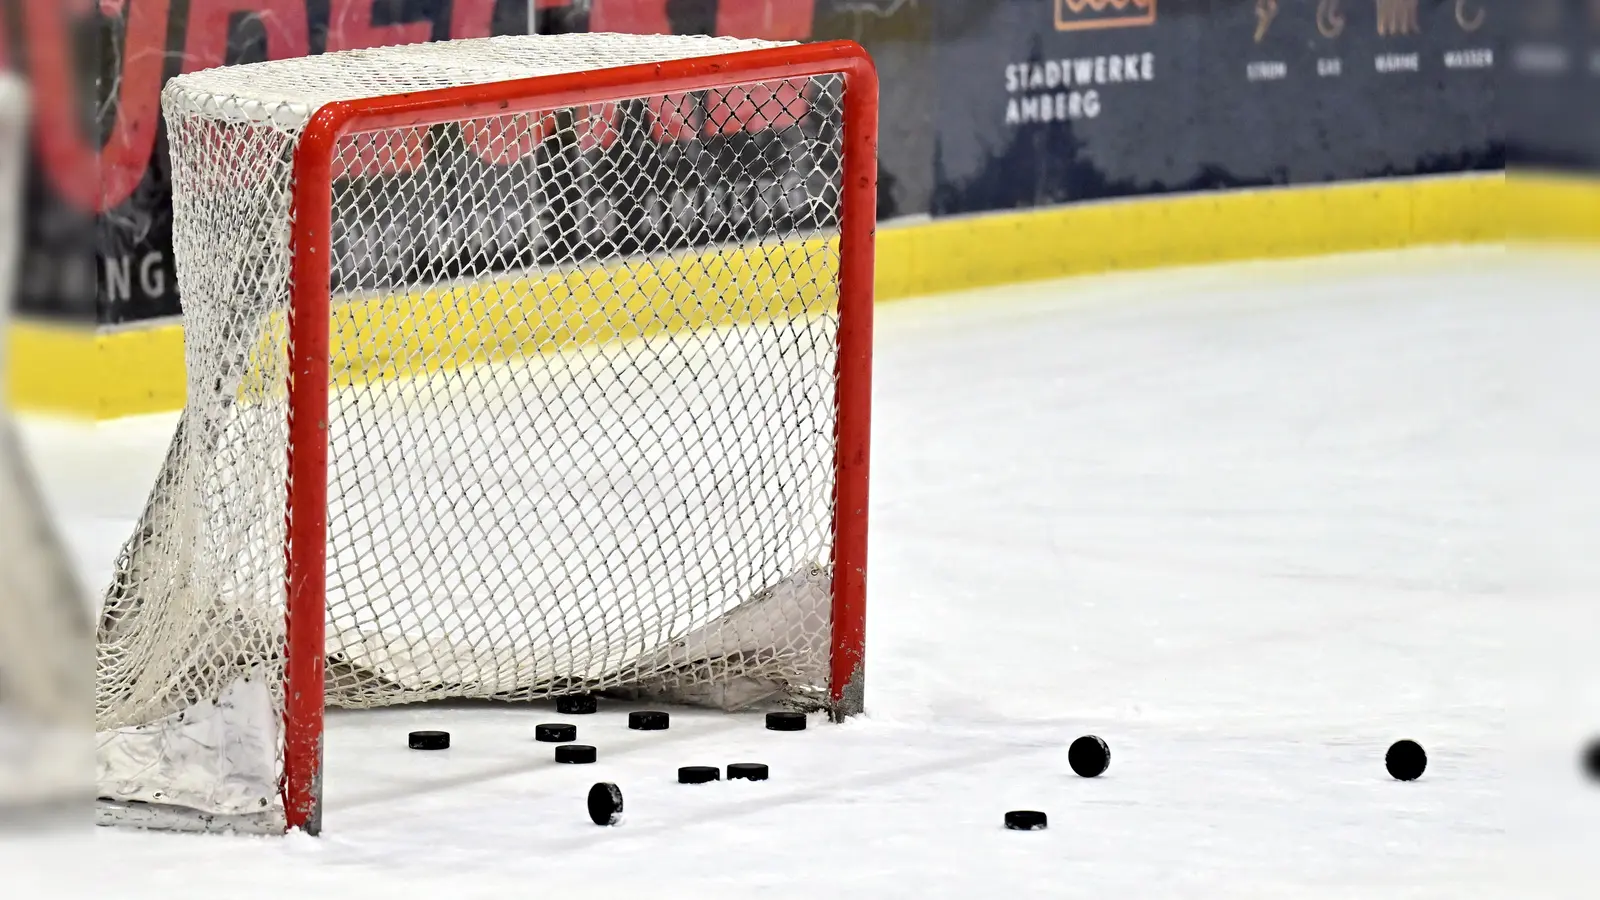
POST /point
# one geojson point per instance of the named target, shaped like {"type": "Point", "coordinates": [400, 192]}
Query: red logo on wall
{"type": "Point", "coordinates": [98, 177]}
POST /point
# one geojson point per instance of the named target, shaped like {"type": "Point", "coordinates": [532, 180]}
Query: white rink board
{"type": "Point", "coordinates": [1248, 523]}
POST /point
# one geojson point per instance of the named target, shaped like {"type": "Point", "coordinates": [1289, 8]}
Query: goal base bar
{"type": "Point", "coordinates": [164, 817]}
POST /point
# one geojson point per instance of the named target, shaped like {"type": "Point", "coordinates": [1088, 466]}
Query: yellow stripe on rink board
{"type": "Point", "coordinates": [516, 318]}
{"type": "Point", "coordinates": [52, 367]}
{"type": "Point", "coordinates": [1549, 207]}
{"type": "Point", "coordinates": [1078, 239]}
{"type": "Point", "coordinates": [131, 371]}
{"type": "Point", "coordinates": [101, 375]}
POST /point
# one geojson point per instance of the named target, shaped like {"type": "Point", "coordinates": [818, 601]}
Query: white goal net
{"type": "Point", "coordinates": [582, 419]}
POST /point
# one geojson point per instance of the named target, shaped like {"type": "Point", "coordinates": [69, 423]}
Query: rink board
{"type": "Point", "coordinates": [131, 371]}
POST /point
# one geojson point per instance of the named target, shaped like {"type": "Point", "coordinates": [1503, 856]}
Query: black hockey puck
{"type": "Point", "coordinates": [577, 754]}
{"type": "Point", "coordinates": [576, 704]}
{"type": "Point", "coordinates": [1406, 760]}
{"type": "Point", "coordinates": [698, 774]}
{"type": "Point", "coordinates": [747, 772]}
{"type": "Point", "coordinates": [428, 740]}
{"type": "Point", "coordinates": [1591, 760]}
{"type": "Point", "coordinates": [786, 721]}
{"type": "Point", "coordinates": [555, 733]}
{"type": "Point", "coordinates": [605, 804]}
{"type": "Point", "coordinates": [1089, 756]}
{"type": "Point", "coordinates": [1026, 820]}
{"type": "Point", "coordinates": [648, 720]}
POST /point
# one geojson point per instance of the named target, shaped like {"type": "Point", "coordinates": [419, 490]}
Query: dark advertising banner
{"type": "Point", "coordinates": [1052, 101]}
{"type": "Point", "coordinates": [97, 68]}
{"type": "Point", "coordinates": [987, 104]}
{"type": "Point", "coordinates": [1552, 94]}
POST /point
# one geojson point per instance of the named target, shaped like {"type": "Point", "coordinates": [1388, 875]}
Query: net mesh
{"type": "Point", "coordinates": [582, 416]}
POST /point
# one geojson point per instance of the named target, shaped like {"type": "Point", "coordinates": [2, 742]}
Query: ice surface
{"type": "Point", "coordinates": [1248, 523]}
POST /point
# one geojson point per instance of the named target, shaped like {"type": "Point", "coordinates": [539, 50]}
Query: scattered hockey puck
{"type": "Point", "coordinates": [698, 774]}
{"type": "Point", "coordinates": [555, 733]}
{"type": "Point", "coordinates": [429, 740]}
{"type": "Point", "coordinates": [605, 804]}
{"type": "Point", "coordinates": [1406, 760]}
{"type": "Point", "coordinates": [1026, 820]}
{"type": "Point", "coordinates": [648, 720]}
{"type": "Point", "coordinates": [1089, 756]}
{"type": "Point", "coordinates": [576, 704]}
{"type": "Point", "coordinates": [1591, 760]}
{"type": "Point", "coordinates": [747, 772]}
{"type": "Point", "coordinates": [577, 754]}
{"type": "Point", "coordinates": [786, 721]}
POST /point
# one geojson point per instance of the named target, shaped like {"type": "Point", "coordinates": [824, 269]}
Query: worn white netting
{"type": "Point", "coordinates": [582, 420]}
{"type": "Point", "coordinates": [44, 633]}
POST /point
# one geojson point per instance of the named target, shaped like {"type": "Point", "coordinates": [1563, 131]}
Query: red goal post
{"type": "Point", "coordinates": [309, 336]}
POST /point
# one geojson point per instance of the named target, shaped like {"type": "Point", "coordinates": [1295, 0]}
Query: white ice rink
{"type": "Point", "coordinates": [1250, 524]}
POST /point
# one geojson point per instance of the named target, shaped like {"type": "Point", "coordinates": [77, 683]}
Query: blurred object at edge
{"type": "Point", "coordinates": [46, 762]}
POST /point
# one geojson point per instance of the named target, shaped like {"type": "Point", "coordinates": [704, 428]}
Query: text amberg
{"type": "Point", "coordinates": [1063, 90]}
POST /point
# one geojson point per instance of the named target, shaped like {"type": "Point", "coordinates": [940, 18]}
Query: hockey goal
{"type": "Point", "coordinates": [517, 367]}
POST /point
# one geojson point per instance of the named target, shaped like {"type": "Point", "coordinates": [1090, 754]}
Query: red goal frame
{"type": "Point", "coordinates": [310, 308]}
